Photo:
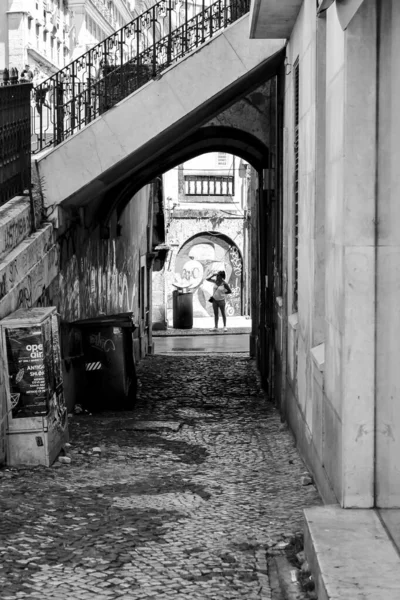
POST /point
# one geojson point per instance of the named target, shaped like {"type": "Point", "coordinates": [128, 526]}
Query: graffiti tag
{"type": "Point", "coordinates": [101, 343]}
{"type": "Point", "coordinates": [15, 232]}
{"type": "Point", "coordinates": [236, 261]}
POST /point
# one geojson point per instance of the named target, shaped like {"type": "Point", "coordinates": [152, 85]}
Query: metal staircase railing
{"type": "Point", "coordinates": [126, 60]}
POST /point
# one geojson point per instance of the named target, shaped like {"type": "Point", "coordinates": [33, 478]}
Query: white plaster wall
{"type": "Point", "coordinates": [333, 414]}
{"type": "Point", "coordinates": [359, 258]}
{"type": "Point", "coordinates": [350, 265]}
{"type": "Point", "coordinates": [388, 267]}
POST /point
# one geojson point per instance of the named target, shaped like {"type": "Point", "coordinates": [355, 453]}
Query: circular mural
{"type": "Point", "coordinates": [201, 257]}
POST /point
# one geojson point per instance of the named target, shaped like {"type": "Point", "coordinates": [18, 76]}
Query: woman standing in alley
{"type": "Point", "coordinates": [221, 288]}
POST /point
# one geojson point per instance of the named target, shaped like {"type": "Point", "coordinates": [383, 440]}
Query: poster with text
{"type": "Point", "coordinates": [27, 372]}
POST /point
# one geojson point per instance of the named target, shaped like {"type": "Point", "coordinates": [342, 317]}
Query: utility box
{"type": "Point", "coordinates": [36, 423]}
{"type": "Point", "coordinates": [182, 309]}
{"type": "Point", "coordinates": [110, 371]}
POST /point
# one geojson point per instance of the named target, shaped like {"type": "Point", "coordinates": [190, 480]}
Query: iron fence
{"type": "Point", "coordinates": [15, 140]}
{"type": "Point", "coordinates": [138, 52]}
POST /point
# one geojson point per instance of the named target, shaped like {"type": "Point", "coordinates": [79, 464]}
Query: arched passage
{"type": "Point", "coordinates": [205, 139]}
{"type": "Point", "coordinates": [201, 256]}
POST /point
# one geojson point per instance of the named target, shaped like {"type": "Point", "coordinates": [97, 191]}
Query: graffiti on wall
{"type": "Point", "coordinates": [15, 232]}
{"type": "Point", "coordinates": [96, 277]}
{"type": "Point", "coordinates": [201, 257]}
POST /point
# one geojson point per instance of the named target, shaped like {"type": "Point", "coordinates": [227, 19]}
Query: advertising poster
{"type": "Point", "coordinates": [27, 372]}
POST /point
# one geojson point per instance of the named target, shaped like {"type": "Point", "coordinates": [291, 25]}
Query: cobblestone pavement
{"type": "Point", "coordinates": [182, 501]}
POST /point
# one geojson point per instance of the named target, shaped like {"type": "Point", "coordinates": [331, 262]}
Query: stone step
{"type": "Point", "coordinates": [350, 554]}
{"type": "Point", "coordinates": [28, 270]}
{"type": "Point", "coordinates": [15, 224]}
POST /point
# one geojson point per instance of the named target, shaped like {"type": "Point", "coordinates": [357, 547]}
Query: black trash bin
{"type": "Point", "coordinates": [110, 371]}
{"type": "Point", "coordinates": [182, 309]}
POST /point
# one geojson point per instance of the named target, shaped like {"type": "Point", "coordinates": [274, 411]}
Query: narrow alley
{"type": "Point", "coordinates": [183, 498]}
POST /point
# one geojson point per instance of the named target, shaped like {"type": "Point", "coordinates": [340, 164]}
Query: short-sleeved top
{"type": "Point", "coordinates": [219, 292]}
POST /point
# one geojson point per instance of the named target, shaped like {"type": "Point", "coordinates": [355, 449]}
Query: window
{"type": "Point", "coordinates": [209, 185]}
{"type": "Point", "coordinates": [296, 90]}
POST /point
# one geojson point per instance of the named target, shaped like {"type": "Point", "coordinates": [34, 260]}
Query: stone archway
{"type": "Point", "coordinates": [201, 256]}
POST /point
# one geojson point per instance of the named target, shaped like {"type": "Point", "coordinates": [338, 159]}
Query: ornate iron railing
{"type": "Point", "coordinates": [122, 63]}
{"type": "Point", "coordinates": [15, 140]}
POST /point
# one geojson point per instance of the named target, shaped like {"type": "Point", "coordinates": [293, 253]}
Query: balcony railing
{"type": "Point", "coordinates": [15, 140]}
{"type": "Point", "coordinates": [138, 52]}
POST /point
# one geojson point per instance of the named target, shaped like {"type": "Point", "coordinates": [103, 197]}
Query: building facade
{"type": "Point", "coordinates": [48, 34]}
{"type": "Point", "coordinates": [340, 184]}
{"type": "Point", "coordinates": [94, 20]}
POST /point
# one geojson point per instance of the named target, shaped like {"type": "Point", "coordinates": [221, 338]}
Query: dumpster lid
{"type": "Point", "coordinates": [119, 320]}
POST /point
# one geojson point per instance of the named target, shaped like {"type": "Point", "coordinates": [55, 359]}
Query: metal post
{"type": "Point", "coordinates": [73, 99]}
{"type": "Point", "coordinates": [59, 109]}
{"type": "Point", "coordinates": [121, 66]}
{"type": "Point", "coordinates": [154, 42]}
{"type": "Point", "coordinates": [169, 44]}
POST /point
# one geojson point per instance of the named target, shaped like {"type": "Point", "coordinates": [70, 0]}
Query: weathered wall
{"type": "Point", "coordinates": [76, 271]}
{"type": "Point", "coordinates": [248, 114]}
{"type": "Point", "coordinates": [102, 276]}
{"type": "Point", "coordinates": [330, 400]}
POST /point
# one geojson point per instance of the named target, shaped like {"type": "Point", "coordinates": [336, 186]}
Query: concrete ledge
{"type": "Point", "coordinates": [17, 264]}
{"type": "Point", "coordinates": [15, 224]}
{"type": "Point", "coordinates": [26, 291]}
{"type": "Point", "coordinates": [350, 555]}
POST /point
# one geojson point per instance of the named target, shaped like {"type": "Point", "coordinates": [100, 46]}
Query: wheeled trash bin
{"type": "Point", "coordinates": [110, 371]}
{"type": "Point", "coordinates": [182, 309]}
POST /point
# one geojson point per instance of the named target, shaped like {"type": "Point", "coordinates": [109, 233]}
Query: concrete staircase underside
{"type": "Point", "coordinates": [152, 119]}
{"type": "Point", "coordinates": [351, 555]}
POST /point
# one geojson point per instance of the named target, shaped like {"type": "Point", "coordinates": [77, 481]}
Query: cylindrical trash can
{"type": "Point", "coordinates": [110, 371]}
{"type": "Point", "coordinates": [182, 309]}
